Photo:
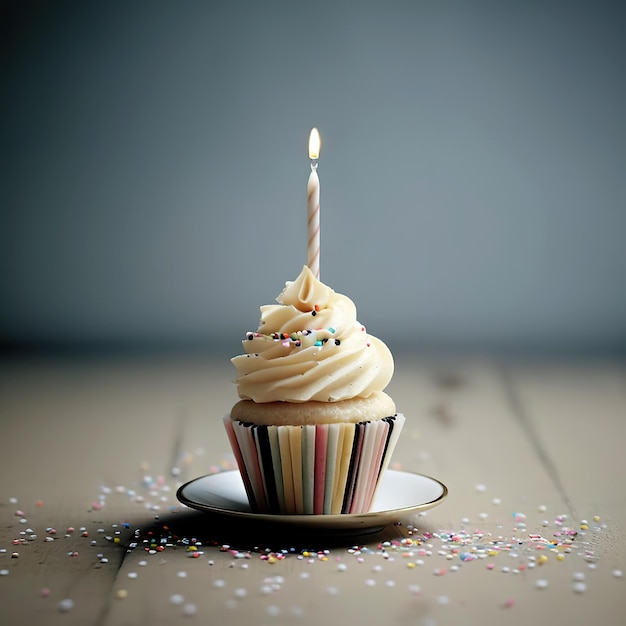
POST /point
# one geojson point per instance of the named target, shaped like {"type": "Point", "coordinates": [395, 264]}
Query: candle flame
{"type": "Point", "coordinates": [314, 144]}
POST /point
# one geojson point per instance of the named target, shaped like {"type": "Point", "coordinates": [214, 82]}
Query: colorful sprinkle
{"type": "Point", "coordinates": [190, 609]}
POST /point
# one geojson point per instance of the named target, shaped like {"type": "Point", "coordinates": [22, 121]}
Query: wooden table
{"type": "Point", "coordinates": [533, 529]}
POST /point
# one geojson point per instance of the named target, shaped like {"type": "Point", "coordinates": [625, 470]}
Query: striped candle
{"type": "Point", "coordinates": [313, 206]}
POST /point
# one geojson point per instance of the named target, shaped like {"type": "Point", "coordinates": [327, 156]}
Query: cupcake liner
{"type": "Point", "coordinates": [323, 469]}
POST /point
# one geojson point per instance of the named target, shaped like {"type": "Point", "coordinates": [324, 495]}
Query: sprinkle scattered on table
{"type": "Point", "coordinates": [527, 542]}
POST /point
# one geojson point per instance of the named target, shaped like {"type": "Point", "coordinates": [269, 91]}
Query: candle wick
{"type": "Point", "coordinates": [313, 165]}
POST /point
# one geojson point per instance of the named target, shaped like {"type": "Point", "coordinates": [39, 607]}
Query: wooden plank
{"type": "Point", "coordinates": [577, 411]}
{"type": "Point", "coordinates": [74, 428]}
{"type": "Point", "coordinates": [70, 428]}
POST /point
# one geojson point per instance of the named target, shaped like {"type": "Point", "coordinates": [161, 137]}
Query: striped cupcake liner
{"type": "Point", "coordinates": [323, 469]}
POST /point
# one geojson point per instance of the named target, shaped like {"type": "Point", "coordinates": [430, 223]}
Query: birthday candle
{"type": "Point", "coordinates": [313, 206]}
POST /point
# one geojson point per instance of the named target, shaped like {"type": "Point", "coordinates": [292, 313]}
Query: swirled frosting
{"type": "Point", "coordinates": [310, 346]}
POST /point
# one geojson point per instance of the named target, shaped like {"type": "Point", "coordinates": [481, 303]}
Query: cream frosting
{"type": "Point", "coordinates": [310, 346]}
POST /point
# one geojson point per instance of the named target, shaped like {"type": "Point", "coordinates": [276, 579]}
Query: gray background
{"type": "Point", "coordinates": [154, 167]}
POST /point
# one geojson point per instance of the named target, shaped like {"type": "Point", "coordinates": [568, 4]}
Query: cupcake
{"type": "Point", "coordinates": [314, 431]}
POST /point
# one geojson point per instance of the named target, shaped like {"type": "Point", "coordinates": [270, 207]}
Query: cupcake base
{"type": "Point", "coordinates": [317, 469]}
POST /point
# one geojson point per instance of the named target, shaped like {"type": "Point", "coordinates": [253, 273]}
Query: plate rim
{"type": "Point", "coordinates": [343, 520]}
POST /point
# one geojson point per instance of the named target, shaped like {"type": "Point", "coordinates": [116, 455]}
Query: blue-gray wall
{"type": "Point", "coordinates": [472, 169]}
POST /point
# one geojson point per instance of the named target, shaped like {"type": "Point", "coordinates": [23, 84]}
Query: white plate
{"type": "Point", "coordinates": [400, 495]}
